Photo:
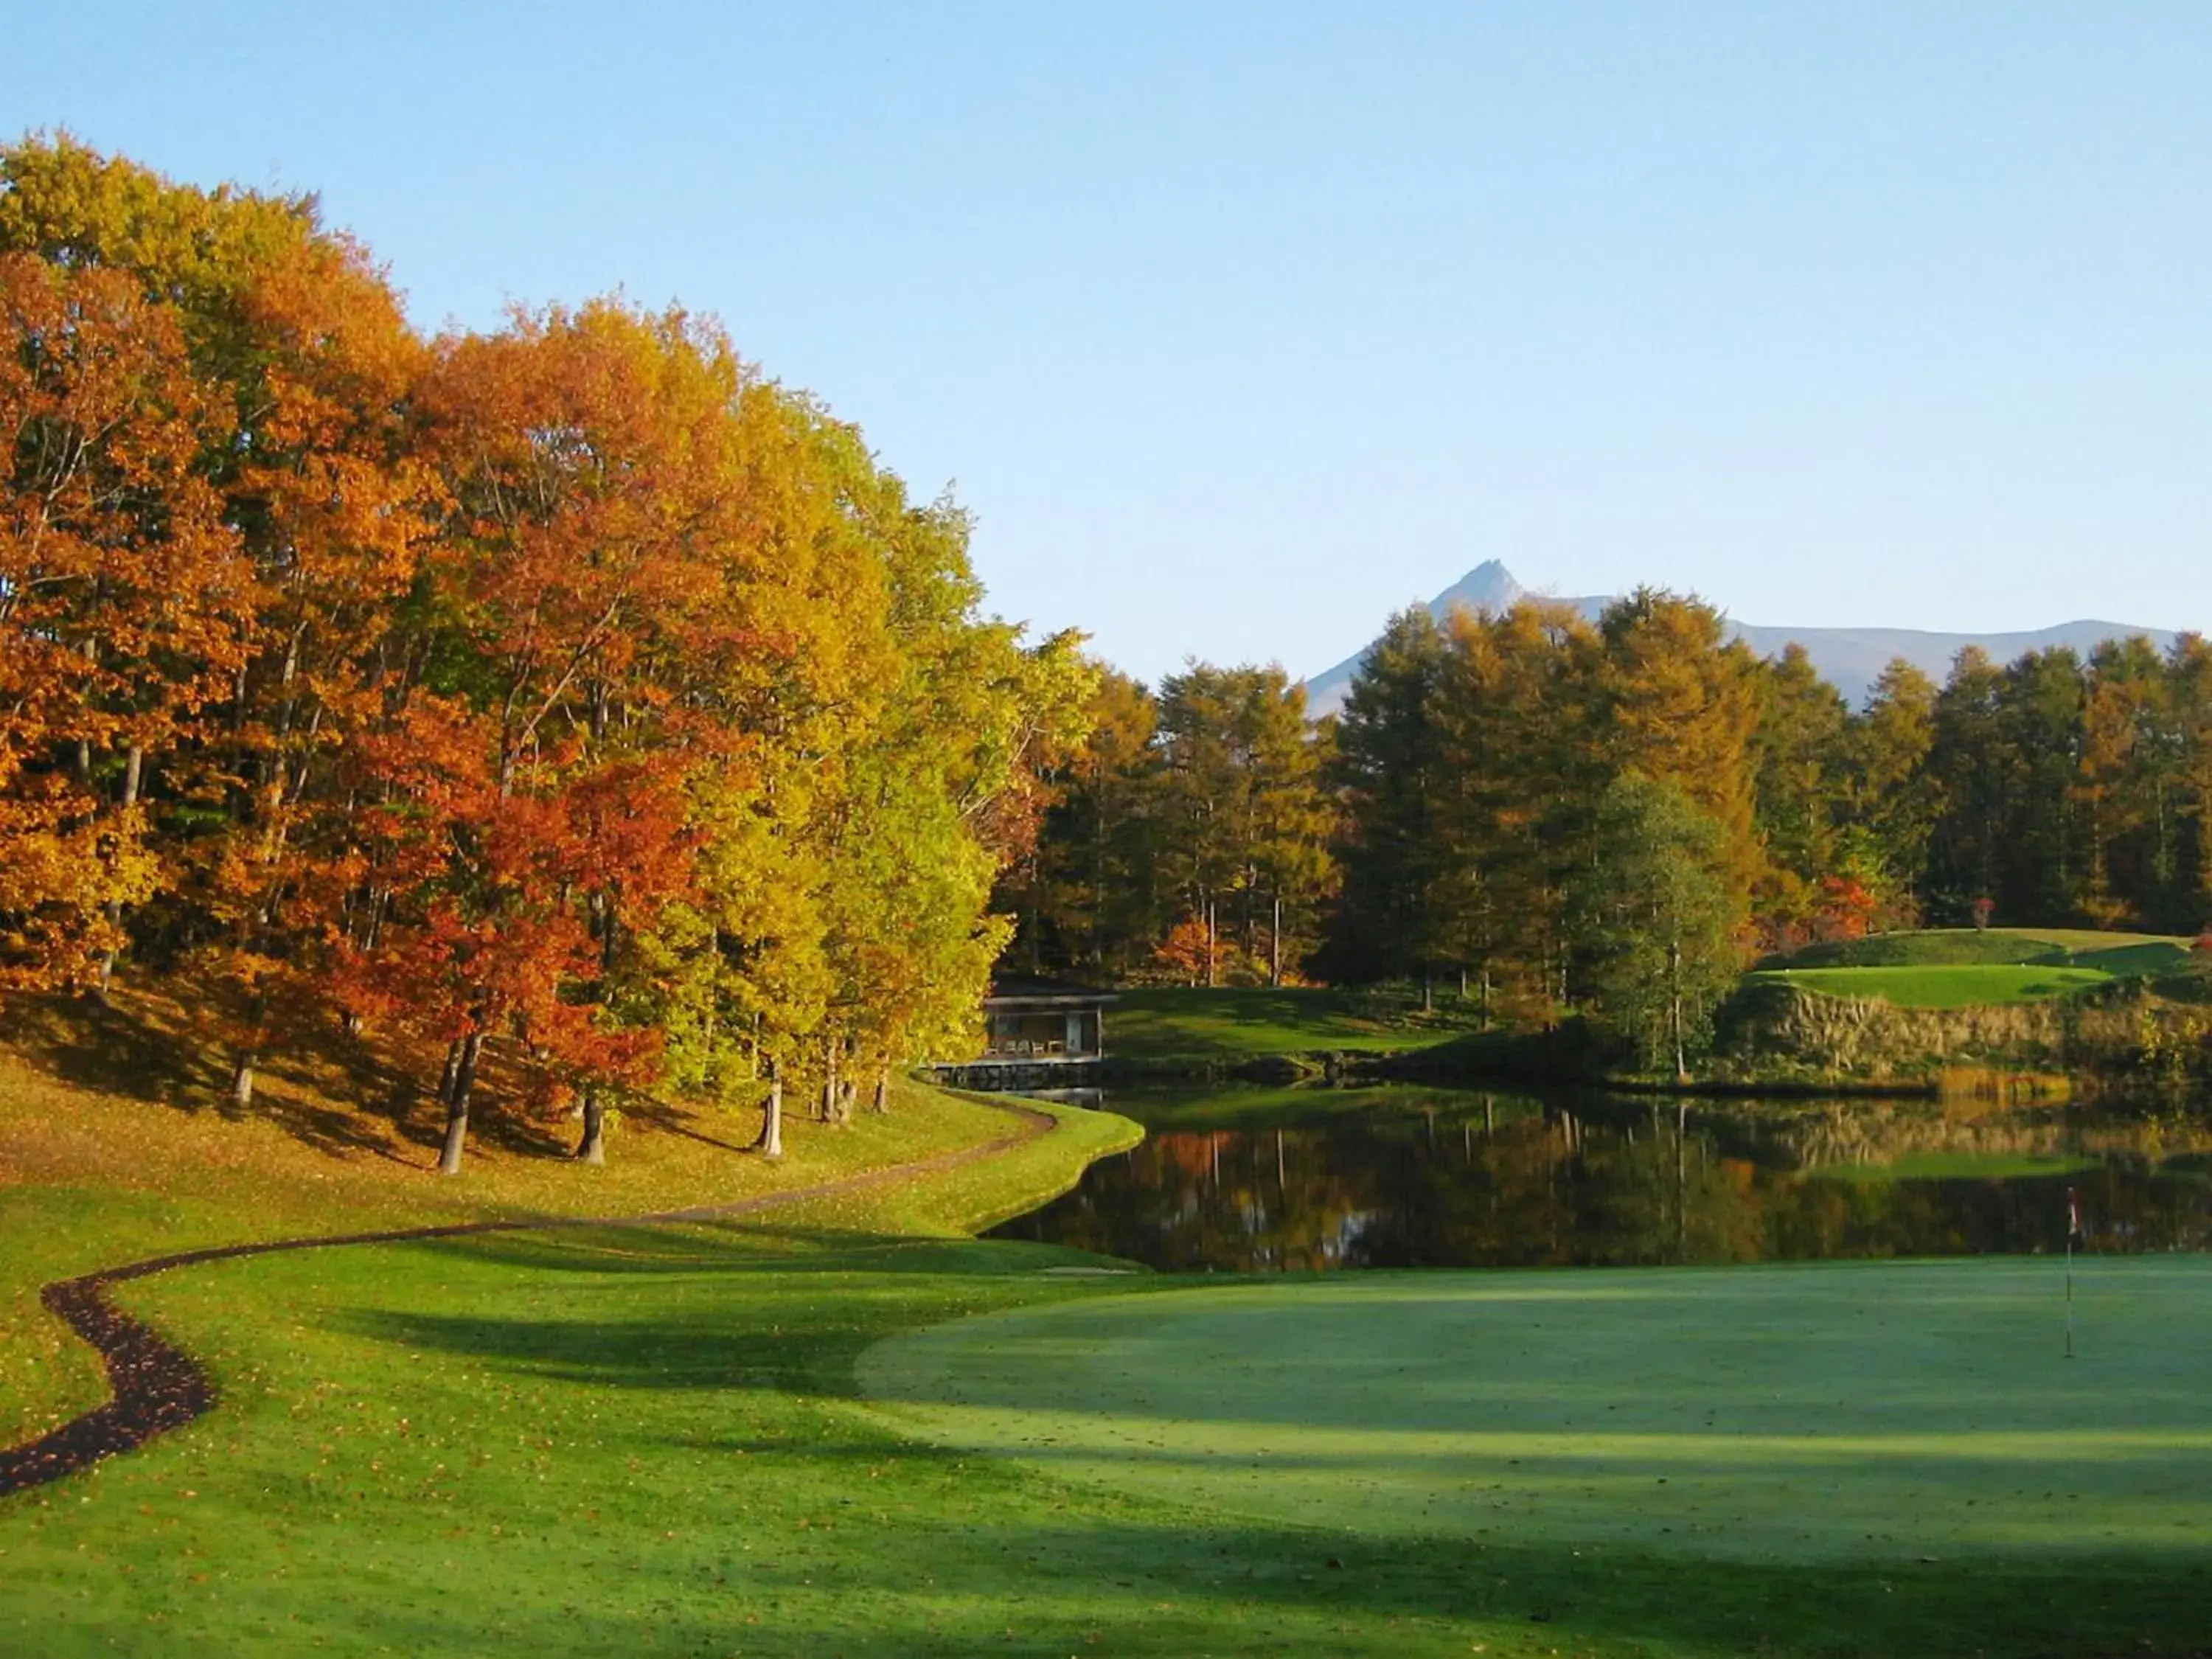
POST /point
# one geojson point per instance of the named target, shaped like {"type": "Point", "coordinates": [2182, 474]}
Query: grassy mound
{"type": "Point", "coordinates": [1960, 947]}
{"type": "Point", "coordinates": [1946, 986]}
{"type": "Point", "coordinates": [1966, 968]}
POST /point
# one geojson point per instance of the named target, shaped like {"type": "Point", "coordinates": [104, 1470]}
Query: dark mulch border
{"type": "Point", "coordinates": [156, 1387]}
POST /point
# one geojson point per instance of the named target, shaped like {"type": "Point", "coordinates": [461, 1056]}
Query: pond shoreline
{"type": "Point", "coordinates": [1244, 1178]}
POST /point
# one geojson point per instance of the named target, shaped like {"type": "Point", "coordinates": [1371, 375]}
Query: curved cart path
{"type": "Point", "coordinates": [157, 1386]}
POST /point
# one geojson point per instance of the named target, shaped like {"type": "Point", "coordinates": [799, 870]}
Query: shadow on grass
{"type": "Point", "coordinates": [119, 1049]}
{"type": "Point", "coordinates": [343, 1097]}
{"type": "Point", "coordinates": [976, 1560]}
{"type": "Point", "coordinates": [670, 1119]}
{"type": "Point", "coordinates": [721, 1248]}
{"type": "Point", "coordinates": [1173, 1584]}
{"type": "Point", "coordinates": [789, 1330]}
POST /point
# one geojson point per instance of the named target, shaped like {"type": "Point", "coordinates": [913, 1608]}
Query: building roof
{"type": "Point", "coordinates": [1009, 992]}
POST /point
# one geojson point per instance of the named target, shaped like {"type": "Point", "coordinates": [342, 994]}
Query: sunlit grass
{"type": "Point", "coordinates": [1973, 946]}
{"type": "Point", "coordinates": [1963, 986]}
{"type": "Point", "coordinates": [1862, 1411]}
{"type": "Point", "coordinates": [650, 1441]}
{"type": "Point", "coordinates": [104, 1158]}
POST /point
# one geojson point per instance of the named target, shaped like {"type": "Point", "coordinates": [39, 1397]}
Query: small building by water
{"type": "Point", "coordinates": [1036, 1031]}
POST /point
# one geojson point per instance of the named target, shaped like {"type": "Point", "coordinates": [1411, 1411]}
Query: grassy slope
{"type": "Point", "coordinates": [1959, 968]}
{"type": "Point", "coordinates": [113, 1147]}
{"type": "Point", "coordinates": [1232, 1023]}
{"type": "Point", "coordinates": [648, 1439]}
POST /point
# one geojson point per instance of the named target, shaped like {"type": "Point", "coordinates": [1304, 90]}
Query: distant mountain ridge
{"type": "Point", "coordinates": [1849, 659]}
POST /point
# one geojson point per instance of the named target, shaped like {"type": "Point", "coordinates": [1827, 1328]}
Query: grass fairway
{"type": "Point", "coordinates": [650, 1441]}
{"type": "Point", "coordinates": [1912, 1421]}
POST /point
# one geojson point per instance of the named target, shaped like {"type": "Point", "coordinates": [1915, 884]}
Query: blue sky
{"type": "Point", "coordinates": [1239, 325]}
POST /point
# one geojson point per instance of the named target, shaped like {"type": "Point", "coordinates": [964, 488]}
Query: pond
{"type": "Point", "coordinates": [1254, 1180]}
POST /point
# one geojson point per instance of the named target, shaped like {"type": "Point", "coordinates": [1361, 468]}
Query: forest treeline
{"type": "Point", "coordinates": [569, 687]}
{"type": "Point", "coordinates": [1550, 814]}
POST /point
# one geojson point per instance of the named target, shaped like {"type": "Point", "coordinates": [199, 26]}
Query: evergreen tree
{"type": "Point", "coordinates": [1390, 921]}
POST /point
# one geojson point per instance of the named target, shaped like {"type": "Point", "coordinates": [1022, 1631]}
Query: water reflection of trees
{"type": "Point", "coordinates": [1497, 1180]}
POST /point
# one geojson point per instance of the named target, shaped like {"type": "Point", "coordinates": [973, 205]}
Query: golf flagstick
{"type": "Point", "coordinates": [2073, 1228]}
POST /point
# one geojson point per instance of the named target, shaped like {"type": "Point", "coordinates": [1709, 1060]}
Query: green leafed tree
{"type": "Point", "coordinates": [1655, 917]}
{"type": "Point", "coordinates": [1391, 919]}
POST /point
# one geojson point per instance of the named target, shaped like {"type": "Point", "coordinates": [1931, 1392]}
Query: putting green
{"type": "Point", "coordinates": [1922, 1409]}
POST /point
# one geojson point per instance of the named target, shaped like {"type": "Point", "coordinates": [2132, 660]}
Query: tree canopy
{"type": "Point", "coordinates": [570, 687]}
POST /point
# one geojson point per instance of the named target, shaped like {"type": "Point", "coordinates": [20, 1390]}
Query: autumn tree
{"type": "Point", "coordinates": [125, 600]}
{"type": "Point", "coordinates": [1800, 757]}
{"type": "Point", "coordinates": [1091, 897]}
{"type": "Point", "coordinates": [1893, 797]}
{"type": "Point", "coordinates": [1517, 710]}
{"type": "Point", "coordinates": [1244, 825]}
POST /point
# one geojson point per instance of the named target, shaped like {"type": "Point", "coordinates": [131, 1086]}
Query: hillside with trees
{"type": "Point", "coordinates": [572, 688]}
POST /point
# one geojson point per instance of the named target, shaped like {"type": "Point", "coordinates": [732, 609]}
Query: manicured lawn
{"type": "Point", "coordinates": [578, 1440]}
{"type": "Point", "coordinates": [650, 1441]}
{"type": "Point", "coordinates": [1231, 1023]}
{"type": "Point", "coordinates": [653, 1440]}
{"type": "Point", "coordinates": [1967, 967]}
{"type": "Point", "coordinates": [1940, 986]}
{"type": "Point", "coordinates": [1903, 1443]}
{"type": "Point", "coordinates": [1968, 946]}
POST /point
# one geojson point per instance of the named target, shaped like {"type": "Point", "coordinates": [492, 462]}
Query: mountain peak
{"type": "Point", "coordinates": [1850, 659]}
{"type": "Point", "coordinates": [1489, 586]}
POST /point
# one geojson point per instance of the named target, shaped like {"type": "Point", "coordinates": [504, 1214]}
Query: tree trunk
{"type": "Point", "coordinates": [134, 766]}
{"type": "Point", "coordinates": [452, 1071]}
{"type": "Point", "coordinates": [1275, 945]}
{"type": "Point", "coordinates": [593, 1149]}
{"type": "Point", "coordinates": [769, 1143]}
{"type": "Point", "coordinates": [883, 1099]}
{"type": "Point", "coordinates": [457, 1107]}
{"type": "Point", "coordinates": [1428, 989]}
{"type": "Point", "coordinates": [241, 1075]}
{"type": "Point", "coordinates": [1674, 1004]}
{"type": "Point", "coordinates": [829, 1084]}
